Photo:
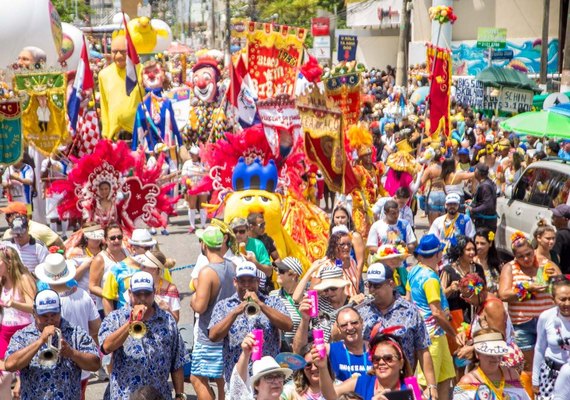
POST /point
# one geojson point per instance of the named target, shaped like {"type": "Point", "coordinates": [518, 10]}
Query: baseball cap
{"type": "Point", "coordinates": [142, 281]}
{"type": "Point", "coordinates": [47, 301]}
{"type": "Point", "coordinates": [246, 268]}
{"type": "Point", "coordinates": [463, 152]}
{"type": "Point", "coordinates": [378, 273]}
{"type": "Point", "coordinates": [237, 222]}
{"type": "Point", "coordinates": [19, 225]}
{"type": "Point", "coordinates": [562, 211]}
{"type": "Point", "coordinates": [452, 198]}
{"type": "Point", "coordinates": [290, 264]}
{"type": "Point", "coordinates": [212, 236]}
{"type": "Point", "coordinates": [15, 207]}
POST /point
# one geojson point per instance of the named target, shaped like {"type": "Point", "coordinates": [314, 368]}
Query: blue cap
{"type": "Point", "coordinates": [429, 245]}
{"type": "Point", "coordinates": [463, 152]}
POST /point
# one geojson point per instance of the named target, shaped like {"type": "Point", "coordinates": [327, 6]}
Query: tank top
{"type": "Point", "coordinates": [456, 188]}
{"type": "Point", "coordinates": [476, 324]}
{"type": "Point", "coordinates": [226, 273]}
{"type": "Point", "coordinates": [108, 263]}
{"type": "Point", "coordinates": [12, 316]}
{"type": "Point", "coordinates": [524, 311]}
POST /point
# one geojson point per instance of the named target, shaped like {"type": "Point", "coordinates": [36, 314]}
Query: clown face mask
{"type": "Point", "coordinates": [153, 76]}
{"type": "Point", "coordinates": [205, 84]}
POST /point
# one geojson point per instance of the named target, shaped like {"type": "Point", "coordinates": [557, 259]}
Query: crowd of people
{"type": "Point", "coordinates": [393, 308]}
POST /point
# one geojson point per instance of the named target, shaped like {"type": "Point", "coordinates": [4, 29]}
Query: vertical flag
{"type": "Point", "coordinates": [132, 60]}
{"type": "Point", "coordinates": [83, 82]}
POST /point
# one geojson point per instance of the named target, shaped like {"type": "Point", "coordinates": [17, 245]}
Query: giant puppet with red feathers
{"type": "Point", "coordinates": [113, 185]}
{"type": "Point", "coordinates": [260, 169]}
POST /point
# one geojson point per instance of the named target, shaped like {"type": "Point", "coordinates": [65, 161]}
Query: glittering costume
{"type": "Point", "coordinates": [402, 168]}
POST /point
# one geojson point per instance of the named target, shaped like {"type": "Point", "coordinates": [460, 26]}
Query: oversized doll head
{"type": "Point", "coordinates": [205, 79]}
{"type": "Point", "coordinates": [153, 75]}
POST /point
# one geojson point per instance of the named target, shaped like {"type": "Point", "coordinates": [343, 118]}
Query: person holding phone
{"type": "Point", "coordinates": [521, 287]}
{"type": "Point", "coordinates": [385, 380]}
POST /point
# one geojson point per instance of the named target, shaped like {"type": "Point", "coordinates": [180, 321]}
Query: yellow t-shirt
{"type": "Point", "coordinates": [117, 109]}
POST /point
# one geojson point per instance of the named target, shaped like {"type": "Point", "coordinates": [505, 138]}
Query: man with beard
{"type": "Point", "coordinates": [453, 223]}
{"type": "Point", "coordinates": [391, 230]}
{"type": "Point", "coordinates": [117, 108]}
{"type": "Point", "coordinates": [215, 283]}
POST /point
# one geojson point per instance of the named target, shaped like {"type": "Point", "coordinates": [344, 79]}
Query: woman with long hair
{"type": "Point", "coordinates": [552, 349]}
{"type": "Point", "coordinates": [18, 290]}
{"type": "Point", "coordinates": [306, 384]}
{"type": "Point", "coordinates": [340, 216]}
{"type": "Point", "coordinates": [488, 257]}
{"type": "Point", "coordinates": [454, 179]}
{"type": "Point", "coordinates": [527, 296]}
{"type": "Point", "coordinates": [389, 369]}
{"type": "Point", "coordinates": [544, 238]}
{"type": "Point", "coordinates": [338, 254]}
{"type": "Point", "coordinates": [490, 380]}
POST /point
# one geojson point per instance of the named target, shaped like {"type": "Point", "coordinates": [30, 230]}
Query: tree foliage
{"type": "Point", "coordinates": [66, 10]}
{"type": "Point", "coordinates": [288, 12]}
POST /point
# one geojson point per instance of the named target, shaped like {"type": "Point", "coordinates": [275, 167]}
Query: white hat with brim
{"type": "Point", "coordinates": [491, 344]}
{"type": "Point", "coordinates": [97, 234]}
{"type": "Point", "coordinates": [377, 257]}
{"type": "Point", "coordinates": [142, 237]}
{"type": "Point", "coordinates": [266, 366]}
{"type": "Point", "coordinates": [55, 269]}
{"type": "Point", "coordinates": [331, 283]}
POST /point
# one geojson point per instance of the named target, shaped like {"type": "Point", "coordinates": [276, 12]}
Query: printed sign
{"type": "Point", "coordinates": [320, 26]}
{"type": "Point", "coordinates": [495, 38]}
{"type": "Point", "coordinates": [380, 13]}
{"type": "Point", "coordinates": [515, 100]}
{"type": "Point", "coordinates": [346, 50]}
{"type": "Point", "coordinates": [469, 92]}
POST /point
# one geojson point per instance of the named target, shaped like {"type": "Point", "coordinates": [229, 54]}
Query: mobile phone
{"type": "Point", "coordinates": [406, 394]}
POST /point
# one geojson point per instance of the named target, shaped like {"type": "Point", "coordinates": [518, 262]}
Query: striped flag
{"type": "Point", "coordinates": [132, 60]}
{"type": "Point", "coordinates": [83, 82]}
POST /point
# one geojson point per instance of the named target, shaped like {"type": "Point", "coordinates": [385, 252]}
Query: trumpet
{"type": "Point", "coordinates": [138, 329]}
{"type": "Point", "coordinates": [50, 356]}
{"type": "Point", "coordinates": [252, 309]}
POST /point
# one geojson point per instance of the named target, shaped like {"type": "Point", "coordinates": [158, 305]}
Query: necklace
{"type": "Point", "coordinates": [364, 357]}
{"type": "Point", "coordinates": [498, 391]}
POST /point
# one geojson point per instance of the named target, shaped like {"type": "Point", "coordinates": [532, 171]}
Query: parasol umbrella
{"type": "Point", "coordinates": [563, 109]}
{"type": "Point", "coordinates": [178, 48]}
{"type": "Point", "coordinates": [539, 123]}
{"type": "Point", "coordinates": [497, 77]}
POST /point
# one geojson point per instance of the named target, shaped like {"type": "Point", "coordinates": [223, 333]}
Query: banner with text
{"type": "Point", "coordinates": [345, 91]}
{"type": "Point", "coordinates": [346, 49]}
{"type": "Point", "coordinates": [274, 57]}
{"type": "Point", "coordinates": [11, 141]}
{"type": "Point", "coordinates": [469, 92]}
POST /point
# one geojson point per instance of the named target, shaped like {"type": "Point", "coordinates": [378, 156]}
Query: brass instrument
{"type": "Point", "coordinates": [252, 309]}
{"type": "Point", "coordinates": [138, 329]}
{"type": "Point", "coordinates": [50, 356]}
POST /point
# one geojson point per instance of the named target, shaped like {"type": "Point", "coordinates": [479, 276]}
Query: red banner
{"type": "Point", "coordinates": [274, 58]}
{"type": "Point", "coordinates": [439, 64]}
{"type": "Point", "coordinates": [320, 26]}
{"type": "Point", "coordinates": [345, 91]}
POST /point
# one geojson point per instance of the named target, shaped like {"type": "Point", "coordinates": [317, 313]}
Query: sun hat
{"type": "Point", "coordinates": [142, 237]}
{"type": "Point", "coordinates": [339, 229]}
{"type": "Point", "coordinates": [379, 273]}
{"type": "Point", "coordinates": [290, 264]}
{"type": "Point", "coordinates": [491, 344]}
{"type": "Point", "coordinates": [15, 207]}
{"type": "Point", "coordinates": [331, 277]}
{"type": "Point", "coordinates": [452, 198]}
{"type": "Point", "coordinates": [246, 268]}
{"type": "Point", "coordinates": [266, 366]}
{"type": "Point", "coordinates": [212, 236]}
{"type": "Point", "coordinates": [142, 281]}
{"type": "Point", "coordinates": [429, 245]}
{"type": "Point", "coordinates": [94, 232]}
{"type": "Point", "coordinates": [147, 259]}
{"type": "Point", "coordinates": [388, 251]}
{"type": "Point", "coordinates": [55, 269]}
{"type": "Point", "coordinates": [47, 301]}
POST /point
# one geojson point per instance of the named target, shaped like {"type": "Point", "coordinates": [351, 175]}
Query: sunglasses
{"type": "Point", "coordinates": [262, 225]}
{"type": "Point", "coordinates": [240, 231]}
{"type": "Point", "coordinates": [346, 324]}
{"type": "Point", "coordinates": [308, 365]}
{"type": "Point", "coordinates": [387, 358]}
{"type": "Point", "coordinates": [115, 237]}
{"type": "Point", "coordinates": [373, 285]}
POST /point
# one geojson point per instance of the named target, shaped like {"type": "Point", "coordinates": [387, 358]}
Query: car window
{"type": "Point", "coordinates": [542, 187]}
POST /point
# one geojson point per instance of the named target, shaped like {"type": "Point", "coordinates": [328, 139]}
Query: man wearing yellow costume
{"type": "Point", "coordinates": [118, 109]}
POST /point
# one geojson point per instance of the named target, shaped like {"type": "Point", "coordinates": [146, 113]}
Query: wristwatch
{"type": "Point", "coordinates": [181, 396]}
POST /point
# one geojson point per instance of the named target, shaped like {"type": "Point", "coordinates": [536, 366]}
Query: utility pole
{"type": "Point", "coordinates": [544, 49]}
{"type": "Point", "coordinates": [565, 78]}
{"type": "Point", "coordinates": [402, 56]}
{"type": "Point", "coordinates": [212, 24]}
{"type": "Point", "coordinates": [228, 34]}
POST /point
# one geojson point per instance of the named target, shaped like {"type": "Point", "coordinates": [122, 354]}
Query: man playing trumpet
{"type": "Point", "coordinates": [50, 353]}
{"type": "Point", "coordinates": [145, 343]}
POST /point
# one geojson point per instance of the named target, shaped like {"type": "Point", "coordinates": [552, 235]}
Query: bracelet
{"type": "Point", "coordinates": [432, 387]}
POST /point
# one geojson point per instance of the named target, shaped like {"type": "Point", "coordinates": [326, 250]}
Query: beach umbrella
{"type": "Point", "coordinates": [539, 123]}
{"type": "Point", "coordinates": [563, 109]}
{"type": "Point", "coordinates": [497, 77]}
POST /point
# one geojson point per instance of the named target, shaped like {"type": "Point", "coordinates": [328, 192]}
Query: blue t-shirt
{"type": "Point", "coordinates": [365, 386]}
{"type": "Point", "coordinates": [345, 364]}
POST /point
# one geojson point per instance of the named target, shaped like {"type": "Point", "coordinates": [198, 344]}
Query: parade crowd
{"type": "Point", "coordinates": [392, 310]}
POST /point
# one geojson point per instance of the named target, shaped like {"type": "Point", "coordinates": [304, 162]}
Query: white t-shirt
{"type": "Point", "coordinates": [551, 328]}
{"type": "Point", "coordinates": [562, 386]}
{"type": "Point", "coordinates": [439, 226]}
{"type": "Point", "coordinates": [18, 190]}
{"type": "Point", "coordinates": [79, 309]}
{"type": "Point", "coordinates": [383, 233]}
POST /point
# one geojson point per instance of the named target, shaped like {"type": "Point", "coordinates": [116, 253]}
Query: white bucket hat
{"type": "Point", "coordinates": [94, 232]}
{"type": "Point", "coordinates": [55, 269]}
{"type": "Point", "coordinates": [142, 237]}
{"type": "Point", "coordinates": [491, 344]}
{"type": "Point", "coordinates": [267, 365]}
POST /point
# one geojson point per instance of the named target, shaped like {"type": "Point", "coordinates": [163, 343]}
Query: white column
{"type": "Point", "coordinates": [445, 35]}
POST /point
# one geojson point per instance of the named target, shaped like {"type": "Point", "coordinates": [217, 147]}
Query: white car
{"type": "Point", "coordinates": [542, 186]}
